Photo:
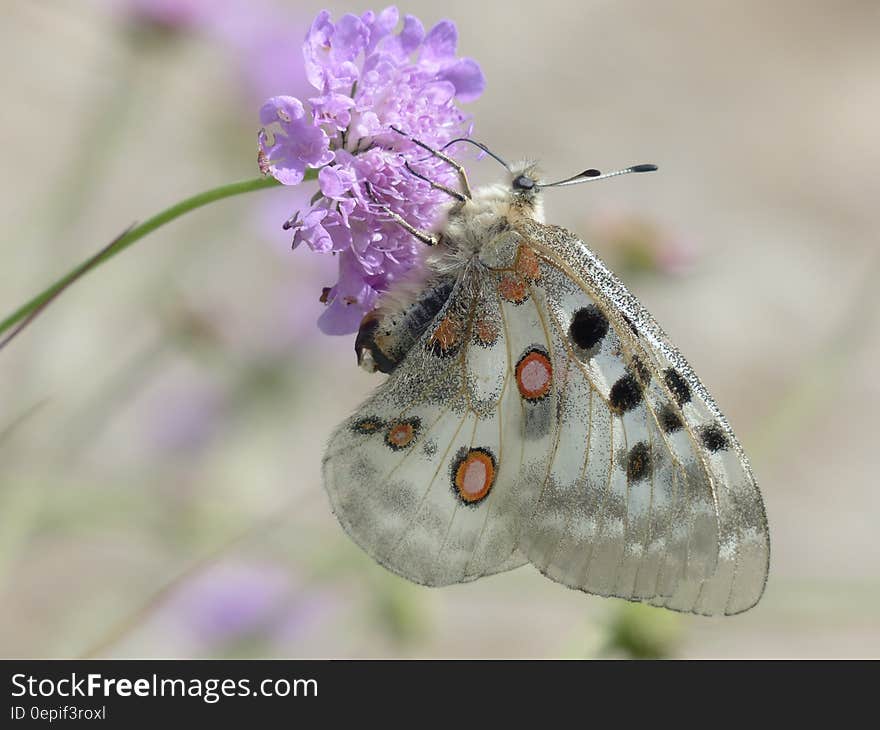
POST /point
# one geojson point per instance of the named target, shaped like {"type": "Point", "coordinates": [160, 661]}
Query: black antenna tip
{"type": "Point", "coordinates": [643, 168]}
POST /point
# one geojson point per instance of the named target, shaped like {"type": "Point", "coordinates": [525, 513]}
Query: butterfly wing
{"type": "Point", "coordinates": [543, 417]}
{"type": "Point", "coordinates": [417, 477]}
{"type": "Point", "coordinates": [649, 495]}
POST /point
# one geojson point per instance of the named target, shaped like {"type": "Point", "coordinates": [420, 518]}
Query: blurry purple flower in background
{"type": "Point", "coordinates": [187, 414]}
{"type": "Point", "coordinates": [262, 35]}
{"type": "Point", "coordinates": [369, 80]}
{"type": "Point", "coordinates": [170, 15]}
{"type": "Point", "coordinates": [237, 600]}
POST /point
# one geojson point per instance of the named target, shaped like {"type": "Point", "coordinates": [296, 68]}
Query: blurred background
{"type": "Point", "coordinates": [161, 425]}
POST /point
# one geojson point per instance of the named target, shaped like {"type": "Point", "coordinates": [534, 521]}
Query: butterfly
{"type": "Point", "coordinates": [534, 412]}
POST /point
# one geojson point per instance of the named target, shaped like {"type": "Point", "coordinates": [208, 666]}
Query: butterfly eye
{"type": "Point", "coordinates": [523, 182]}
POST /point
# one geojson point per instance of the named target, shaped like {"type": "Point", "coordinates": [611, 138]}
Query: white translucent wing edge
{"type": "Point", "coordinates": [744, 545]}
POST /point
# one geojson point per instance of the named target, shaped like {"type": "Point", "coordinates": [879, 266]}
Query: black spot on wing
{"type": "Point", "coordinates": [714, 438]}
{"type": "Point", "coordinates": [638, 462]}
{"type": "Point", "coordinates": [588, 327]}
{"type": "Point", "coordinates": [669, 419]}
{"type": "Point", "coordinates": [625, 394]}
{"type": "Point", "coordinates": [678, 385]}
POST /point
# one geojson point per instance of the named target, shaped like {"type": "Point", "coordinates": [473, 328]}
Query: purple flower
{"type": "Point", "coordinates": [289, 141]}
{"type": "Point", "coordinates": [237, 599]}
{"type": "Point", "coordinates": [370, 80]}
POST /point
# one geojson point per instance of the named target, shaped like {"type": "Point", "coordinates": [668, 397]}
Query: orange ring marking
{"type": "Point", "coordinates": [534, 375]}
{"type": "Point", "coordinates": [475, 475]}
{"type": "Point", "coordinates": [401, 434]}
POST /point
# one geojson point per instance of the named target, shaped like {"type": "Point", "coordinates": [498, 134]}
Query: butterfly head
{"type": "Point", "coordinates": [521, 187]}
{"type": "Point", "coordinates": [516, 197]}
{"type": "Point", "coordinates": [524, 190]}
{"type": "Point", "coordinates": [524, 182]}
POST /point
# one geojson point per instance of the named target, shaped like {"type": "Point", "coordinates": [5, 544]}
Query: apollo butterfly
{"type": "Point", "coordinates": [534, 412]}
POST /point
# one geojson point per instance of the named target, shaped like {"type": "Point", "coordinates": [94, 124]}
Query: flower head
{"type": "Point", "coordinates": [372, 82]}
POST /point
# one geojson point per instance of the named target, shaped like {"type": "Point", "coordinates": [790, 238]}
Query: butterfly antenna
{"type": "Point", "coordinates": [592, 174]}
{"type": "Point", "coordinates": [479, 145]}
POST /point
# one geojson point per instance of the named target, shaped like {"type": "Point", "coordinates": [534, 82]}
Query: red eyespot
{"type": "Point", "coordinates": [534, 375]}
{"type": "Point", "coordinates": [400, 434]}
{"type": "Point", "coordinates": [473, 474]}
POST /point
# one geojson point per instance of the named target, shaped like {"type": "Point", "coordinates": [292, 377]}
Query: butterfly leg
{"type": "Point", "coordinates": [437, 186]}
{"type": "Point", "coordinates": [425, 237]}
{"type": "Point", "coordinates": [457, 166]}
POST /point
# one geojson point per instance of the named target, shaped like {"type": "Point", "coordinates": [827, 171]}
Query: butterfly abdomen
{"type": "Point", "coordinates": [386, 334]}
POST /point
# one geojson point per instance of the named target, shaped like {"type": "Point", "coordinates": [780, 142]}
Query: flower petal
{"type": "Point", "coordinates": [350, 38]}
{"type": "Point", "coordinates": [289, 141]}
{"type": "Point", "coordinates": [467, 77]}
{"type": "Point", "coordinates": [440, 43]}
{"type": "Point", "coordinates": [380, 26]}
{"type": "Point", "coordinates": [335, 181]}
{"type": "Point", "coordinates": [401, 46]}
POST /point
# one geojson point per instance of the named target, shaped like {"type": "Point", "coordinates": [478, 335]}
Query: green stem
{"type": "Point", "coordinates": [135, 233]}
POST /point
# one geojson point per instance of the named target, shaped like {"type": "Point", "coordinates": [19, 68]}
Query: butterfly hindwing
{"type": "Point", "coordinates": [414, 476]}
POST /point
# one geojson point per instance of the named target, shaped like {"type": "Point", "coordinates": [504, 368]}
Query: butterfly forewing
{"type": "Point", "coordinates": [603, 520]}
{"type": "Point", "coordinates": [694, 534]}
